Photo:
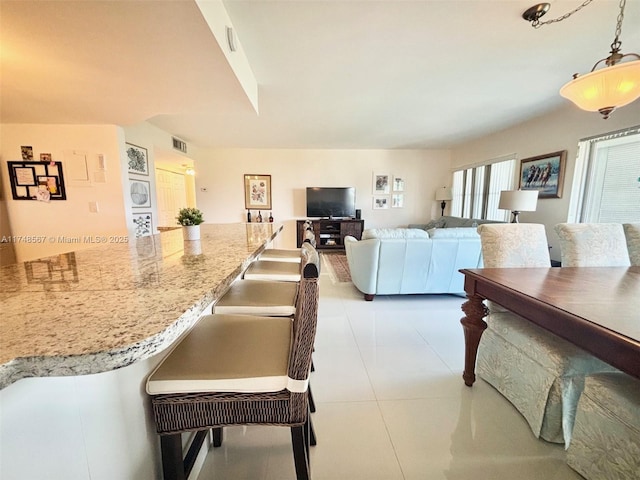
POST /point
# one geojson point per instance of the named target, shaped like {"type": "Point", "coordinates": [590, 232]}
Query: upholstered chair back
{"type": "Point", "coordinates": [592, 245]}
{"type": "Point", "coordinates": [632, 232]}
{"type": "Point", "coordinates": [514, 245]}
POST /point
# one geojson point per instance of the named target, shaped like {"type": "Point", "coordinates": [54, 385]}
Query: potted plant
{"type": "Point", "coordinates": [190, 219]}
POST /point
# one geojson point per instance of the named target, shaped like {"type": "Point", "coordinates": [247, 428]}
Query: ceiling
{"type": "Point", "coordinates": [331, 74]}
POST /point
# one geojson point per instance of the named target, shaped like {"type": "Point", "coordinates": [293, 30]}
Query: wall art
{"type": "Point", "coordinates": [37, 181]}
{"type": "Point", "coordinates": [137, 159]}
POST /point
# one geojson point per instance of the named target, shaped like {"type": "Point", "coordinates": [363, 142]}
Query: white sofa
{"type": "Point", "coordinates": [392, 261]}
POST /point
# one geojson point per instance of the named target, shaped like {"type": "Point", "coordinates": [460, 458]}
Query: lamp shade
{"type": "Point", "coordinates": [605, 89]}
{"type": "Point", "coordinates": [518, 200]}
{"type": "Point", "coordinates": [443, 193]}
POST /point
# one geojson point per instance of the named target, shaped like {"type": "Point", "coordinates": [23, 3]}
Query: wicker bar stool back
{"type": "Point", "coordinates": [201, 402]}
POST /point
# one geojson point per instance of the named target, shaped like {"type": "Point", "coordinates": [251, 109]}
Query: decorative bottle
{"type": "Point", "coordinates": [270, 218]}
{"type": "Point", "coordinates": [259, 217]}
{"type": "Point", "coordinates": [248, 216]}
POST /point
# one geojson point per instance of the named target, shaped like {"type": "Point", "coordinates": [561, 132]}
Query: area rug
{"type": "Point", "coordinates": [337, 266]}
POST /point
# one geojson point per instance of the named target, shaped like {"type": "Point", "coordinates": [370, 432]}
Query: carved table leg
{"type": "Point", "coordinates": [473, 326]}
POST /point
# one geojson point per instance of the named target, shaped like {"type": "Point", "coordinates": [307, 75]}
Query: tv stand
{"type": "Point", "coordinates": [330, 233]}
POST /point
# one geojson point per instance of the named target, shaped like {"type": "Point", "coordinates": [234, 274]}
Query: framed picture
{"type": "Point", "coordinates": [380, 202]}
{"type": "Point", "coordinates": [37, 181]}
{"type": "Point", "coordinates": [381, 183]}
{"type": "Point", "coordinates": [398, 184]}
{"type": "Point", "coordinates": [138, 159]}
{"type": "Point", "coordinates": [397, 200]}
{"type": "Point", "coordinates": [140, 192]}
{"type": "Point", "coordinates": [143, 224]}
{"type": "Point", "coordinates": [544, 173]}
{"type": "Point", "coordinates": [27, 152]}
{"type": "Point", "coordinates": [257, 192]}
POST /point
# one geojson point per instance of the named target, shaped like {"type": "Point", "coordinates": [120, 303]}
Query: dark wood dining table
{"type": "Point", "coordinates": [595, 308]}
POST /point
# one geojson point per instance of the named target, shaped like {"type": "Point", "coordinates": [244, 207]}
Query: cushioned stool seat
{"type": "Point", "coordinates": [606, 437]}
{"type": "Point", "coordinates": [278, 271]}
{"type": "Point", "coordinates": [257, 297]}
{"type": "Point", "coordinates": [280, 255]}
{"type": "Point", "coordinates": [227, 353]}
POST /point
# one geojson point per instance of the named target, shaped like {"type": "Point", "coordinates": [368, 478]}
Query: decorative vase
{"type": "Point", "coordinates": [191, 232]}
{"type": "Point", "coordinates": [192, 247]}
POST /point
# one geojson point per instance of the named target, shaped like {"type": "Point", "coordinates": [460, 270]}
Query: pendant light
{"type": "Point", "coordinates": [615, 84]}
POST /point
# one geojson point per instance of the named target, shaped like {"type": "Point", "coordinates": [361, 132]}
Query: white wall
{"type": "Point", "coordinates": [70, 217]}
{"type": "Point", "coordinates": [560, 130]}
{"type": "Point", "coordinates": [221, 172]}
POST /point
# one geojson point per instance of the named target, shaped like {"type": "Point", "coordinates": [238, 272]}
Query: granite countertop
{"type": "Point", "coordinates": [106, 307]}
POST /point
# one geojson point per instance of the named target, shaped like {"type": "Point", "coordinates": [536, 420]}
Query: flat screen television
{"type": "Point", "coordinates": [331, 202]}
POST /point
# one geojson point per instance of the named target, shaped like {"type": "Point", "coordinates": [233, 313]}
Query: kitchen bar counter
{"type": "Point", "coordinates": [106, 307]}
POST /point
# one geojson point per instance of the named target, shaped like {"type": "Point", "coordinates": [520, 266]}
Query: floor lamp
{"type": "Point", "coordinates": [518, 201]}
{"type": "Point", "coordinates": [443, 194]}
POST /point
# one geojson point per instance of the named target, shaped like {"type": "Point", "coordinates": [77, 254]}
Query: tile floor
{"type": "Point", "coordinates": [391, 404]}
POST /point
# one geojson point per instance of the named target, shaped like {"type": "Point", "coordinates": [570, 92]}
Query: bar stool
{"type": "Point", "coordinates": [238, 370]}
{"type": "Point", "coordinates": [264, 298]}
{"type": "Point", "coordinates": [281, 271]}
{"type": "Point", "coordinates": [290, 255]}
{"type": "Point", "coordinates": [257, 297]}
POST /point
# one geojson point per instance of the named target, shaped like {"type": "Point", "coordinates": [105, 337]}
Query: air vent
{"type": "Point", "coordinates": [179, 145]}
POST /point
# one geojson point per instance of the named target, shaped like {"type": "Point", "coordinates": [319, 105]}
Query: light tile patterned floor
{"type": "Point", "coordinates": [391, 404]}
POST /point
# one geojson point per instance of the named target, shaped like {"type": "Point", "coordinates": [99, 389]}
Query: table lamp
{"type": "Point", "coordinates": [518, 201]}
{"type": "Point", "coordinates": [443, 194]}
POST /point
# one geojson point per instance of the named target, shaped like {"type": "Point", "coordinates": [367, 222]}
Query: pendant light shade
{"type": "Point", "coordinates": [601, 90]}
{"type": "Point", "coordinates": [606, 89]}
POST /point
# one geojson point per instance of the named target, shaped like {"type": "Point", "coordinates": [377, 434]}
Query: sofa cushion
{"type": "Point", "coordinates": [452, 222]}
{"type": "Point", "coordinates": [461, 232]}
{"type": "Point", "coordinates": [427, 226]}
{"type": "Point", "coordinates": [400, 233]}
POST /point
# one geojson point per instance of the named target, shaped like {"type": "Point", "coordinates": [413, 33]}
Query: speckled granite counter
{"type": "Point", "coordinates": [106, 307]}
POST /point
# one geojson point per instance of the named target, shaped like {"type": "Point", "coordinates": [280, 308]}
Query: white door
{"type": "Point", "coordinates": [172, 196]}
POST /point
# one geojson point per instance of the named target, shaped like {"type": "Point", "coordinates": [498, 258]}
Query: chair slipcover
{"type": "Point", "coordinates": [541, 374]}
{"type": "Point", "coordinates": [592, 245]}
{"type": "Point", "coordinates": [632, 232]}
{"type": "Point", "coordinates": [606, 438]}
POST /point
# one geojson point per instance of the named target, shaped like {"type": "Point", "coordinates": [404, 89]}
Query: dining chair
{"type": "Point", "coordinates": [632, 233]}
{"type": "Point", "coordinates": [238, 370]}
{"type": "Point", "coordinates": [606, 437]}
{"type": "Point", "coordinates": [592, 245]}
{"type": "Point", "coordinates": [539, 373]}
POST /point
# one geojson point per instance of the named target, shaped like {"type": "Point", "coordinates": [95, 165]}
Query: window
{"type": "Point", "coordinates": [607, 183]}
{"type": "Point", "coordinates": [476, 190]}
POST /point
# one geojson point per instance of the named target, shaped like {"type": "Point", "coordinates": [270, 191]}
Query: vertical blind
{"type": "Point", "coordinates": [476, 191]}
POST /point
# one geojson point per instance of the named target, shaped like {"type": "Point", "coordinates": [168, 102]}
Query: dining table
{"type": "Point", "coordinates": [595, 308]}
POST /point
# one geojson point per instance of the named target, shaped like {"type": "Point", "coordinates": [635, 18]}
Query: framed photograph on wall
{"type": "Point", "coordinates": [257, 192]}
{"type": "Point", "coordinates": [398, 184]}
{"type": "Point", "coordinates": [381, 183]}
{"type": "Point", "coordinates": [137, 159]}
{"type": "Point", "coordinates": [397, 200]}
{"type": "Point", "coordinates": [544, 173]}
{"type": "Point", "coordinates": [380, 202]}
{"type": "Point", "coordinates": [140, 192]}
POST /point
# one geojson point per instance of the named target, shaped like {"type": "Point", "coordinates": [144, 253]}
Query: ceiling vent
{"type": "Point", "coordinates": [179, 145]}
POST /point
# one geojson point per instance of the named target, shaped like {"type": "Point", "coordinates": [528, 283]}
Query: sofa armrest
{"type": "Point", "coordinates": [362, 256]}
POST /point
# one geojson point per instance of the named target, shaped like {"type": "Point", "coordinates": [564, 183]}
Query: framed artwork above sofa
{"type": "Point", "coordinates": [544, 173]}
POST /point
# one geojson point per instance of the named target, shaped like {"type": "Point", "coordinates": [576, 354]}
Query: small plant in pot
{"type": "Point", "coordinates": [190, 219]}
